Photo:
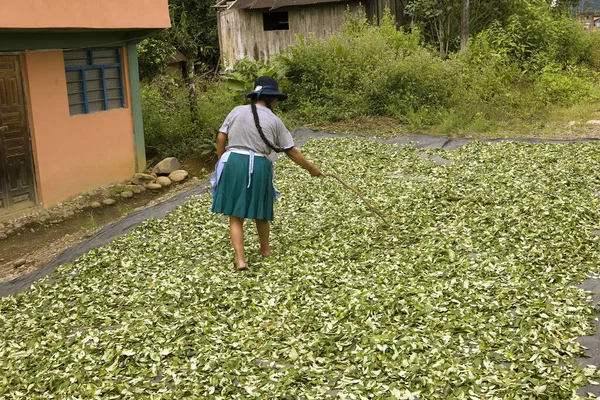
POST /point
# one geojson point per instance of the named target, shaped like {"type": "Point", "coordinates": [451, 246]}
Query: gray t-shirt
{"type": "Point", "coordinates": [241, 130]}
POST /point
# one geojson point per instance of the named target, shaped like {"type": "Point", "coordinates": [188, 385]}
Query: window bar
{"type": "Point", "coordinates": [91, 53]}
{"type": "Point", "coordinates": [104, 89]}
{"type": "Point", "coordinates": [85, 94]}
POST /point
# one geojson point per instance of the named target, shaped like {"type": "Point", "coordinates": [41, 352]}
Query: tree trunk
{"type": "Point", "coordinates": [441, 37]}
{"type": "Point", "coordinates": [191, 84]}
{"type": "Point", "coordinates": [464, 26]}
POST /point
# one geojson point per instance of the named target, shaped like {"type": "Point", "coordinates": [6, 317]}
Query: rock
{"type": "Point", "coordinates": [178, 176]}
{"type": "Point", "coordinates": [167, 166]}
{"type": "Point", "coordinates": [593, 122]}
{"type": "Point", "coordinates": [137, 189]}
{"type": "Point", "coordinates": [108, 202]}
{"type": "Point", "coordinates": [163, 181]}
{"type": "Point", "coordinates": [96, 204]}
{"type": "Point", "coordinates": [2, 228]}
{"type": "Point", "coordinates": [154, 175]}
{"type": "Point", "coordinates": [127, 194]}
{"type": "Point", "coordinates": [68, 214]}
{"type": "Point", "coordinates": [19, 263]}
{"type": "Point", "coordinates": [153, 186]}
{"type": "Point", "coordinates": [3, 236]}
{"type": "Point", "coordinates": [142, 179]}
{"type": "Point", "coordinates": [32, 230]}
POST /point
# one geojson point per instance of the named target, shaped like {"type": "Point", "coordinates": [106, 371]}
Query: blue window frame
{"type": "Point", "coordinates": [94, 80]}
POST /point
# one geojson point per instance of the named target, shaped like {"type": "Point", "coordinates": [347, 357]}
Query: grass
{"type": "Point", "coordinates": [469, 295]}
{"type": "Point", "coordinates": [558, 123]}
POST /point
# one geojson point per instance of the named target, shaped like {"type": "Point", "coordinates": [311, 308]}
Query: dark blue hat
{"type": "Point", "coordinates": [265, 85]}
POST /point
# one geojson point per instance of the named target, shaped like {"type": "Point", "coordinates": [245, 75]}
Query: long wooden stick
{"type": "Point", "coordinates": [356, 192]}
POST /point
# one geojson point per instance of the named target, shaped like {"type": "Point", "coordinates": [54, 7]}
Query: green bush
{"type": "Point", "coordinates": [364, 70]}
{"type": "Point", "coordinates": [168, 126]}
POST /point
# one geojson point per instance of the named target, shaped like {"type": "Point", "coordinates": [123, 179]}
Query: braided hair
{"type": "Point", "coordinates": [269, 103]}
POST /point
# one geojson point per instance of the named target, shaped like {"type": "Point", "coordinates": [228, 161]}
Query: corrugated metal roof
{"type": "Point", "coordinates": [274, 4]}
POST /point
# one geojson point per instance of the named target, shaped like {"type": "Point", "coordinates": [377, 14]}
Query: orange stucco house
{"type": "Point", "coordinates": [70, 112]}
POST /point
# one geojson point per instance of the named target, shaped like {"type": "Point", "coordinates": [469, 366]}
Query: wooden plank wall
{"type": "Point", "coordinates": [376, 8]}
{"type": "Point", "coordinates": [242, 34]}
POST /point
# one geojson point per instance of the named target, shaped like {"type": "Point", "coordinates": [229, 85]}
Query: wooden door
{"type": "Point", "coordinates": [17, 187]}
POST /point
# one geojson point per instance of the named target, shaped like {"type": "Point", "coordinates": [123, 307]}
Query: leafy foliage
{"type": "Point", "coordinates": [194, 29]}
{"type": "Point", "coordinates": [153, 56]}
{"type": "Point", "coordinates": [240, 78]}
{"type": "Point", "coordinates": [169, 129]}
{"type": "Point", "coordinates": [514, 69]}
{"type": "Point", "coordinates": [468, 296]}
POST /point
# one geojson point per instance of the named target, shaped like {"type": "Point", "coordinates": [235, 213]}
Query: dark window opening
{"type": "Point", "coordinates": [276, 21]}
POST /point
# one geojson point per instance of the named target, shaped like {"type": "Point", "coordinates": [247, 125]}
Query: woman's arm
{"type": "Point", "coordinates": [221, 141]}
{"type": "Point", "coordinates": [297, 157]}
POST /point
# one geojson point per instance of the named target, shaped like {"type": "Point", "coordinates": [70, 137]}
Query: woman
{"type": "Point", "coordinates": [242, 184]}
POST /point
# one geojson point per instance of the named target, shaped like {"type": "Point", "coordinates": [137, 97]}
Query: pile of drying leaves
{"type": "Point", "coordinates": [468, 295]}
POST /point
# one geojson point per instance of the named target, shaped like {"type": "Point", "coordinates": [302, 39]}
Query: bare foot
{"type": "Point", "coordinates": [240, 266]}
{"type": "Point", "coordinates": [264, 253]}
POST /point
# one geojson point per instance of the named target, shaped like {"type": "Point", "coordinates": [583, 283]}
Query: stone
{"type": "Point", "coordinates": [163, 181]}
{"type": "Point", "coordinates": [167, 166]}
{"type": "Point", "coordinates": [127, 194]}
{"type": "Point", "coordinates": [2, 228]}
{"type": "Point", "coordinates": [109, 202]}
{"type": "Point", "coordinates": [142, 179]}
{"type": "Point", "coordinates": [3, 236]}
{"type": "Point", "coordinates": [153, 186]}
{"type": "Point", "coordinates": [137, 189]}
{"type": "Point", "coordinates": [19, 263]}
{"type": "Point", "coordinates": [96, 204]}
{"type": "Point", "coordinates": [593, 122]}
{"type": "Point", "coordinates": [68, 213]}
{"type": "Point", "coordinates": [178, 176]}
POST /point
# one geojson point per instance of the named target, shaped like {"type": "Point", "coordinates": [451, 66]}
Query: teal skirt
{"type": "Point", "coordinates": [233, 196]}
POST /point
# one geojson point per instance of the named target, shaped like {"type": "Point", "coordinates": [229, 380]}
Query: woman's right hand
{"type": "Point", "coordinates": [314, 171]}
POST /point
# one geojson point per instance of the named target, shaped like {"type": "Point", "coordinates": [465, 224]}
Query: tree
{"type": "Point", "coordinates": [464, 25]}
{"type": "Point", "coordinates": [440, 18]}
{"type": "Point", "coordinates": [448, 23]}
{"type": "Point", "coordinates": [153, 55]}
{"type": "Point", "coordinates": [194, 33]}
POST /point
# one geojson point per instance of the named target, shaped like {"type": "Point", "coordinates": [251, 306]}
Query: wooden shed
{"type": "Point", "coordinates": [256, 29]}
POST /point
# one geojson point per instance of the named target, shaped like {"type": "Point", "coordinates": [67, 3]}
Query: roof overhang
{"type": "Point", "coordinates": [54, 39]}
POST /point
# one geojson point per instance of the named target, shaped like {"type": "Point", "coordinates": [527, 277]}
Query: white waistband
{"type": "Point", "coordinates": [246, 152]}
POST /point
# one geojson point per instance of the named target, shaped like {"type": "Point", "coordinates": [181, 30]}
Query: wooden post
{"type": "Point", "coordinates": [464, 26]}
